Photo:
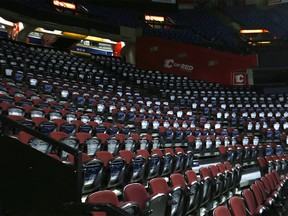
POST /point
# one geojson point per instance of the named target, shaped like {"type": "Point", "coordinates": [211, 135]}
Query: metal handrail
{"type": "Point", "coordinates": [6, 121]}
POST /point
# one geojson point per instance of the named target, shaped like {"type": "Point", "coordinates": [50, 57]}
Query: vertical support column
{"type": "Point", "coordinates": [79, 173]}
{"type": "Point", "coordinates": [128, 52]}
{"type": "Point", "coordinates": [23, 34]}
{"type": "Point", "coordinates": [249, 73]}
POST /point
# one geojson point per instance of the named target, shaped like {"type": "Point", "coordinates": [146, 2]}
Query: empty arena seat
{"type": "Point", "coordinates": [93, 173]}
{"type": "Point", "coordinates": [262, 164]}
{"type": "Point", "coordinates": [227, 178]}
{"type": "Point", "coordinates": [221, 211]}
{"type": "Point", "coordinates": [69, 128]}
{"type": "Point", "coordinates": [266, 200]}
{"type": "Point", "coordinates": [153, 162]}
{"type": "Point", "coordinates": [145, 142]}
{"type": "Point", "coordinates": [178, 161]}
{"type": "Point", "coordinates": [115, 170]}
{"type": "Point", "coordinates": [252, 206]}
{"type": "Point", "coordinates": [109, 197]}
{"type": "Point", "coordinates": [150, 204]}
{"type": "Point", "coordinates": [130, 144]}
{"type": "Point", "coordinates": [206, 181]}
{"type": "Point", "coordinates": [191, 189]}
{"type": "Point", "coordinates": [82, 137]}
{"type": "Point", "coordinates": [237, 205]}
{"type": "Point", "coordinates": [136, 166]}
{"type": "Point", "coordinates": [113, 145]}
{"type": "Point", "coordinates": [176, 201]}
{"type": "Point", "coordinates": [46, 127]}
{"type": "Point", "coordinates": [71, 142]}
{"type": "Point", "coordinates": [259, 201]}
{"type": "Point", "coordinates": [34, 142]}
{"type": "Point", "coordinates": [217, 183]}
{"type": "Point", "coordinates": [167, 159]}
{"type": "Point", "coordinates": [233, 173]}
{"type": "Point", "coordinates": [227, 153]}
{"type": "Point", "coordinates": [93, 145]}
{"type": "Point", "coordinates": [166, 136]}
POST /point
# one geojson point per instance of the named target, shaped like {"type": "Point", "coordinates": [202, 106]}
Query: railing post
{"type": "Point", "coordinates": [79, 175]}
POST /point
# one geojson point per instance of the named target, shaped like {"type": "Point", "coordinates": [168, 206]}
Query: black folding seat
{"type": "Point", "coordinates": [153, 163]}
{"type": "Point", "coordinates": [284, 164]}
{"type": "Point", "coordinates": [31, 112]}
{"type": "Point", "coordinates": [131, 119]}
{"type": "Point", "coordinates": [270, 164]}
{"type": "Point", "coordinates": [84, 127]}
{"type": "Point", "coordinates": [119, 116]}
{"type": "Point", "coordinates": [227, 179]}
{"type": "Point", "coordinates": [239, 154]}
{"type": "Point", "coordinates": [70, 141]}
{"type": "Point", "coordinates": [209, 144]}
{"type": "Point", "coordinates": [114, 144]}
{"type": "Point", "coordinates": [252, 206]}
{"type": "Point", "coordinates": [115, 170]}
{"type": "Point", "coordinates": [217, 181]}
{"type": "Point", "coordinates": [178, 136]}
{"type": "Point", "coordinates": [191, 189]}
{"type": "Point", "coordinates": [166, 136]}
{"type": "Point", "coordinates": [227, 153]}
{"type": "Point", "coordinates": [155, 125]}
{"type": "Point", "coordinates": [259, 196]}
{"type": "Point", "coordinates": [109, 197]}
{"type": "Point", "coordinates": [196, 144]}
{"type": "Point", "coordinates": [92, 145]}
{"type": "Point", "coordinates": [43, 125]}
{"type": "Point", "coordinates": [93, 173]}
{"type": "Point", "coordinates": [114, 129]}
{"type": "Point", "coordinates": [236, 173]}
{"type": "Point", "coordinates": [103, 137]}
{"type": "Point", "coordinates": [13, 110]}
{"type": "Point", "coordinates": [136, 166]}
{"type": "Point", "coordinates": [150, 204]}
{"type": "Point", "coordinates": [155, 143]}
{"type": "Point", "coordinates": [277, 163]}
{"type": "Point", "coordinates": [145, 142]}
{"type": "Point", "coordinates": [102, 128]}
{"type": "Point", "coordinates": [101, 108]}
{"type": "Point", "coordinates": [130, 144]}
{"type": "Point", "coordinates": [221, 211]}
{"type": "Point", "coordinates": [143, 125]}
{"type": "Point", "coordinates": [178, 161]}
{"type": "Point", "coordinates": [34, 142]}
{"type": "Point", "coordinates": [167, 162]}
{"type": "Point", "coordinates": [205, 179]}
{"type": "Point", "coordinates": [176, 202]}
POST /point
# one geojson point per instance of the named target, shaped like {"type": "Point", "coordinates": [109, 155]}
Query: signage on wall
{"type": "Point", "coordinates": [165, 1]}
{"type": "Point", "coordinates": [239, 78]}
{"type": "Point", "coordinates": [271, 2]}
{"type": "Point", "coordinates": [170, 63]}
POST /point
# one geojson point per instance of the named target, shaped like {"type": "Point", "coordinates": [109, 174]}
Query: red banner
{"type": "Point", "coordinates": [189, 60]}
